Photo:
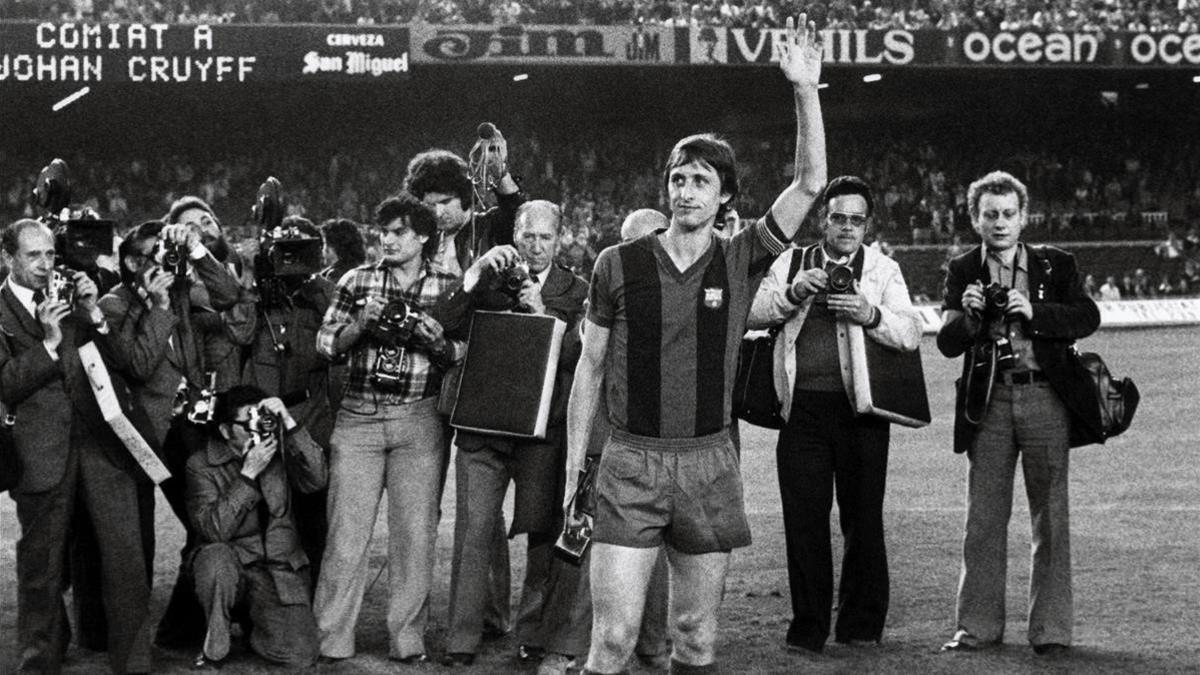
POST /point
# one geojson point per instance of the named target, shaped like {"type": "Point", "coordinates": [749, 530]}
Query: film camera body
{"type": "Point", "coordinates": [61, 287]}
{"type": "Point", "coordinates": [391, 332]}
{"type": "Point", "coordinates": [510, 279]}
{"type": "Point", "coordinates": [79, 236]}
{"type": "Point", "coordinates": [841, 280]}
{"type": "Point", "coordinates": [263, 424]}
{"type": "Point", "coordinates": [576, 534]}
{"type": "Point", "coordinates": [995, 306]}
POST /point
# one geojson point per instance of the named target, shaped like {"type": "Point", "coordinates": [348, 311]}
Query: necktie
{"type": "Point", "coordinates": [39, 296]}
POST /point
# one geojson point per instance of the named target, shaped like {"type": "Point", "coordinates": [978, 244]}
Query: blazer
{"type": "Point", "coordinates": [1062, 313]}
{"type": "Point", "coordinates": [881, 283]}
{"type": "Point", "coordinates": [49, 398]}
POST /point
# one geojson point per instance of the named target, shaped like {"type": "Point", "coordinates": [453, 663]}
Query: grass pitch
{"type": "Point", "coordinates": [1135, 537]}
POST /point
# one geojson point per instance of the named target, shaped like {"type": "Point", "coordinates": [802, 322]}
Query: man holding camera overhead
{"type": "Point", "coordinates": [1014, 311]}
{"type": "Point", "coordinates": [239, 501]}
{"type": "Point", "coordinates": [388, 433]}
{"type": "Point", "coordinates": [525, 279]}
{"type": "Point", "coordinates": [818, 294]}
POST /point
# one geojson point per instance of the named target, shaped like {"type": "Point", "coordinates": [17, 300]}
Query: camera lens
{"type": "Point", "coordinates": [841, 279]}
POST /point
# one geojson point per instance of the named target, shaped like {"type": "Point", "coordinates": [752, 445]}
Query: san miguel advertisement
{"type": "Point", "coordinates": [175, 53]}
{"type": "Point", "coordinates": [547, 45]}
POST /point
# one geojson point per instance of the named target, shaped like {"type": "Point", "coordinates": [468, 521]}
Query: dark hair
{"type": "Point", "coordinates": [848, 185]}
{"type": "Point", "coordinates": [225, 410]}
{"type": "Point", "coordinates": [438, 171]}
{"type": "Point", "coordinates": [416, 215]}
{"type": "Point", "coordinates": [132, 242]}
{"type": "Point", "coordinates": [11, 239]}
{"type": "Point", "coordinates": [186, 203]}
{"type": "Point", "coordinates": [303, 224]}
{"type": "Point", "coordinates": [343, 236]}
{"type": "Point", "coordinates": [713, 151]}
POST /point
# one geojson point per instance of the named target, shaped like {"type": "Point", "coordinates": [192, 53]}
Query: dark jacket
{"type": "Point", "coordinates": [47, 397]}
{"type": "Point", "coordinates": [1062, 313]}
{"type": "Point", "coordinates": [255, 517]}
{"type": "Point", "coordinates": [493, 227]}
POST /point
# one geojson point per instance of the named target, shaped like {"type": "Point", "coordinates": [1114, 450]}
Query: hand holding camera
{"type": "Point", "coordinates": [274, 407]}
{"type": "Point", "coordinates": [50, 314]}
{"type": "Point", "coordinates": [529, 297]}
{"type": "Point", "coordinates": [851, 306]}
{"type": "Point", "coordinates": [85, 293]}
{"type": "Point", "coordinates": [808, 282]}
{"type": "Point", "coordinates": [372, 309]}
{"type": "Point", "coordinates": [257, 455]}
{"type": "Point", "coordinates": [181, 236]}
{"type": "Point", "coordinates": [157, 282]}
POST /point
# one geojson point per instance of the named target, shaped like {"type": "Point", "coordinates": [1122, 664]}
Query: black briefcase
{"type": "Point", "coordinates": [10, 463]}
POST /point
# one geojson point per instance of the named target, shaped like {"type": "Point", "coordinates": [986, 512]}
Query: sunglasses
{"type": "Point", "coordinates": [855, 219]}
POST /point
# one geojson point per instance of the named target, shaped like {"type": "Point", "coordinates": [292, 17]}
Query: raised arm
{"type": "Point", "coordinates": [800, 61]}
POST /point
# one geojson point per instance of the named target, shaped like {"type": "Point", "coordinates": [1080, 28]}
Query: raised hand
{"type": "Point", "coordinates": [801, 53]}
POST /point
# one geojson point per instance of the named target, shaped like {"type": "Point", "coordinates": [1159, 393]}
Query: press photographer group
{"type": "Point", "coordinates": [274, 394]}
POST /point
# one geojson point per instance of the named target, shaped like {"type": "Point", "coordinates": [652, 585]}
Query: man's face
{"type": "Point", "coordinates": [237, 433]}
{"type": "Point", "coordinates": [141, 258]}
{"type": "Point", "coordinates": [695, 193]}
{"type": "Point", "coordinates": [399, 243]}
{"type": "Point", "coordinates": [33, 262]}
{"type": "Point", "coordinates": [202, 223]}
{"type": "Point", "coordinates": [845, 224]}
{"type": "Point", "coordinates": [449, 209]}
{"type": "Point", "coordinates": [999, 220]}
{"type": "Point", "coordinates": [537, 241]}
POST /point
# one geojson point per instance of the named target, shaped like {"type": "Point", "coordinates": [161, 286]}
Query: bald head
{"type": "Point", "coordinates": [642, 222]}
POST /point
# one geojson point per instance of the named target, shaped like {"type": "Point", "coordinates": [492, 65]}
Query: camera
{"type": "Point", "coordinates": [80, 236]}
{"type": "Point", "coordinates": [170, 257]}
{"type": "Point", "coordinates": [995, 301]}
{"type": "Point", "coordinates": [1005, 358]}
{"type": "Point", "coordinates": [201, 411]}
{"type": "Point", "coordinates": [388, 368]}
{"type": "Point", "coordinates": [395, 325]}
{"type": "Point", "coordinates": [263, 424]}
{"type": "Point", "coordinates": [61, 287]}
{"type": "Point", "coordinates": [576, 534]}
{"type": "Point", "coordinates": [841, 280]}
{"type": "Point", "coordinates": [511, 279]}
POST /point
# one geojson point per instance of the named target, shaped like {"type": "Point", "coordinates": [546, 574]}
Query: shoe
{"type": "Point", "coordinates": [1051, 649]}
{"type": "Point", "coordinates": [455, 659]}
{"type": "Point", "coordinates": [859, 642]}
{"type": "Point", "coordinates": [530, 653]}
{"type": "Point", "coordinates": [961, 642]}
{"type": "Point", "coordinates": [556, 664]}
{"type": "Point", "coordinates": [804, 649]}
{"type": "Point", "coordinates": [216, 640]}
{"type": "Point", "coordinates": [413, 659]}
{"type": "Point", "coordinates": [202, 663]}
{"type": "Point", "coordinates": [330, 660]}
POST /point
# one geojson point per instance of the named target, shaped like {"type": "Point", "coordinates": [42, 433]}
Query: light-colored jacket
{"type": "Point", "coordinates": [882, 285]}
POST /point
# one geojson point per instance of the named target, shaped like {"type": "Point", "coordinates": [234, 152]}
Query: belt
{"type": "Point", "coordinates": [1011, 377]}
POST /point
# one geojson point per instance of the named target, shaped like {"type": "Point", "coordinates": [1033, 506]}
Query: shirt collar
{"type": "Point", "coordinates": [24, 295]}
{"type": "Point", "coordinates": [826, 258]}
{"type": "Point", "coordinates": [544, 275]}
{"type": "Point", "coordinates": [1020, 258]}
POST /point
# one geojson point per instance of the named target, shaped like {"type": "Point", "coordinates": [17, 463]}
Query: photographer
{"type": "Point", "coordinates": [224, 329]}
{"type": "Point", "coordinates": [163, 357]}
{"type": "Point", "coordinates": [69, 456]}
{"type": "Point", "coordinates": [283, 359]}
{"type": "Point", "coordinates": [239, 502]}
{"type": "Point", "coordinates": [388, 432]}
{"type": "Point", "coordinates": [818, 294]}
{"type": "Point", "coordinates": [523, 279]}
{"type": "Point", "coordinates": [1013, 312]}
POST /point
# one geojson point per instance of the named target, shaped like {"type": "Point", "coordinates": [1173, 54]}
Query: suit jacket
{"type": "Point", "coordinates": [536, 509]}
{"type": "Point", "coordinates": [493, 227]}
{"type": "Point", "coordinates": [49, 397]}
{"type": "Point", "coordinates": [1062, 313]}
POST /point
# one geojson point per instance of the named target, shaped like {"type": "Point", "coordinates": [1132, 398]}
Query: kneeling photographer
{"type": "Point", "coordinates": [388, 432]}
{"type": "Point", "coordinates": [524, 279]}
{"type": "Point", "coordinates": [249, 554]}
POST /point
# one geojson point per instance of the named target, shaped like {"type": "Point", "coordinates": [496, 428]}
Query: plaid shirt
{"type": "Point", "coordinates": [421, 373]}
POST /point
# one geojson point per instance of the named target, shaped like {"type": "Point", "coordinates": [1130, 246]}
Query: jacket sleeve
{"type": "Point", "coordinates": [771, 306]}
{"type": "Point", "coordinates": [142, 339]}
{"type": "Point", "coordinates": [22, 375]}
{"type": "Point", "coordinates": [215, 513]}
{"type": "Point", "coordinates": [954, 337]}
{"type": "Point", "coordinates": [307, 470]}
{"type": "Point", "coordinates": [1074, 316]}
{"type": "Point", "coordinates": [899, 323]}
{"type": "Point", "coordinates": [223, 288]}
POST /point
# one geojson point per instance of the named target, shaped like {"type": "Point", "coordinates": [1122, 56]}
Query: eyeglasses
{"type": "Point", "coordinates": [855, 219]}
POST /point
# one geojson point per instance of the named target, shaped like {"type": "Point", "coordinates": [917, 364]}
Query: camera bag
{"type": "Point", "coordinates": [1117, 399]}
{"type": "Point", "coordinates": [754, 397]}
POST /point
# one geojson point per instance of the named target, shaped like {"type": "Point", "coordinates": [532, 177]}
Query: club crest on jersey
{"type": "Point", "coordinates": [714, 298]}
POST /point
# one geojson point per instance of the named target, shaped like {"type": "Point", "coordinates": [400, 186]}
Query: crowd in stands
{"type": "Point", "coordinates": [1134, 190]}
{"type": "Point", "coordinates": [1042, 15]}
